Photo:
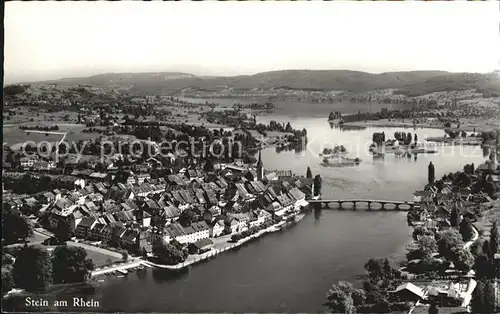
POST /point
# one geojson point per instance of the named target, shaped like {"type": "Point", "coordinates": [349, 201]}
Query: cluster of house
{"type": "Point", "coordinates": [455, 294]}
{"type": "Point", "coordinates": [436, 206]}
{"type": "Point", "coordinates": [141, 209]}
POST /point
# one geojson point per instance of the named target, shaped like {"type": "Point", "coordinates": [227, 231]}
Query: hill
{"type": "Point", "coordinates": [488, 84]}
{"type": "Point", "coordinates": [411, 83]}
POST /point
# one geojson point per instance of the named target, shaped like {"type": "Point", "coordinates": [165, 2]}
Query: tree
{"type": "Point", "coordinates": [380, 269]}
{"type": "Point", "coordinates": [493, 240]}
{"type": "Point", "coordinates": [433, 309]}
{"type": "Point", "coordinates": [33, 269]}
{"type": "Point", "coordinates": [454, 217]}
{"type": "Point", "coordinates": [309, 173]}
{"type": "Point", "coordinates": [490, 188]}
{"type": "Point", "coordinates": [431, 175]}
{"type": "Point", "coordinates": [317, 185]}
{"type": "Point", "coordinates": [466, 230]}
{"type": "Point", "coordinates": [209, 166]}
{"type": "Point", "coordinates": [236, 237]}
{"type": "Point", "coordinates": [15, 226]}
{"type": "Point", "coordinates": [358, 297]}
{"type": "Point", "coordinates": [339, 298]}
{"type": "Point", "coordinates": [463, 260]}
{"type": "Point", "coordinates": [70, 264]}
{"type": "Point", "coordinates": [187, 217]}
{"type": "Point", "coordinates": [449, 241]}
{"type": "Point", "coordinates": [487, 249]}
{"type": "Point", "coordinates": [489, 298]}
{"type": "Point", "coordinates": [63, 231]}
{"type": "Point", "coordinates": [482, 267]}
{"type": "Point", "coordinates": [427, 245]}
{"type": "Point", "coordinates": [477, 248]}
{"type": "Point", "coordinates": [7, 280]}
{"type": "Point", "coordinates": [167, 253]}
{"type": "Point", "coordinates": [418, 232]}
{"type": "Point", "coordinates": [478, 298]}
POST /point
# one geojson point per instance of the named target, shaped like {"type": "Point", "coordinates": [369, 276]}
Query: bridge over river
{"type": "Point", "coordinates": [369, 204]}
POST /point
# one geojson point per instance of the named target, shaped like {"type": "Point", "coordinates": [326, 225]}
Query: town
{"type": "Point", "coordinates": [452, 264]}
{"type": "Point", "coordinates": [110, 203]}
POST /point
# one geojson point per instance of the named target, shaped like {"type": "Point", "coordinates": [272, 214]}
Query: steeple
{"type": "Point", "coordinates": [260, 166]}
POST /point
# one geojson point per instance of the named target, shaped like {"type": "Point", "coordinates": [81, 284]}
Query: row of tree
{"type": "Point", "coordinates": [483, 297]}
{"type": "Point", "coordinates": [35, 269]}
{"type": "Point", "coordinates": [405, 138]}
{"type": "Point", "coordinates": [450, 245]}
{"type": "Point", "coordinates": [39, 128]}
{"type": "Point", "coordinates": [15, 226]}
{"type": "Point", "coordinates": [374, 297]}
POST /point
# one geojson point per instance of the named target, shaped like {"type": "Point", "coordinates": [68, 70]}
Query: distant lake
{"type": "Point", "coordinates": [291, 271]}
{"type": "Point", "coordinates": [294, 108]}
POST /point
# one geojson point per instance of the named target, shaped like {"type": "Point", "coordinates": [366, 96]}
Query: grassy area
{"type": "Point", "coordinates": [37, 237]}
{"type": "Point", "coordinates": [101, 259]}
{"type": "Point", "coordinates": [25, 114]}
{"type": "Point", "coordinates": [15, 137]}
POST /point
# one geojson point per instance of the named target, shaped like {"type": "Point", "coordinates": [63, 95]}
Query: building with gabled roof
{"type": "Point", "coordinates": [84, 227]}
{"type": "Point", "coordinates": [409, 292]}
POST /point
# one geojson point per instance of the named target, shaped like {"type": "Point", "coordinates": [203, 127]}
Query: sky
{"type": "Point", "coordinates": [50, 40]}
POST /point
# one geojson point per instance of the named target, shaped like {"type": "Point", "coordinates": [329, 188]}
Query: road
{"type": "Point", "coordinates": [37, 239]}
{"type": "Point", "coordinates": [474, 238]}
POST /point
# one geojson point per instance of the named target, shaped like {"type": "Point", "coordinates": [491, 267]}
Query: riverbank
{"type": "Point", "coordinates": [223, 247]}
{"type": "Point", "coordinates": [467, 125]}
{"type": "Point", "coordinates": [120, 267]}
{"type": "Point", "coordinates": [471, 141]}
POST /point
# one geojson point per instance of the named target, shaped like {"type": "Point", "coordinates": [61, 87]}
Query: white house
{"type": "Point", "coordinates": [28, 161]}
{"type": "Point", "coordinates": [191, 234]}
{"type": "Point", "coordinates": [80, 183]}
{"type": "Point", "coordinates": [217, 228]}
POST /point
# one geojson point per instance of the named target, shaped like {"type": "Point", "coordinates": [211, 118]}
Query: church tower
{"type": "Point", "coordinates": [260, 166]}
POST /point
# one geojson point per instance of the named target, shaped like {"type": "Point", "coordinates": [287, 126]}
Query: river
{"type": "Point", "coordinates": [291, 271]}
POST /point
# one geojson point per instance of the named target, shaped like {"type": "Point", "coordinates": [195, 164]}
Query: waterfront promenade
{"type": "Point", "coordinates": [122, 266]}
{"type": "Point", "coordinates": [222, 244]}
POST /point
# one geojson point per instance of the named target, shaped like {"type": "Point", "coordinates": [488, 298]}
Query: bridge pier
{"type": "Point", "coordinates": [398, 205]}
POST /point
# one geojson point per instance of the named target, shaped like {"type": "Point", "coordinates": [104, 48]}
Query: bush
{"type": "Point", "coordinates": [400, 307]}
{"type": "Point", "coordinates": [236, 237]}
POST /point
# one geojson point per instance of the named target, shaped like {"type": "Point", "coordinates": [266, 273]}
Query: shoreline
{"type": "Point", "coordinates": [481, 125]}
{"type": "Point", "coordinates": [207, 255]}
{"type": "Point", "coordinates": [212, 253]}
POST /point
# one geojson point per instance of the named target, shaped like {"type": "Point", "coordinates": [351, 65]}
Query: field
{"type": "Point", "coordinates": [101, 259]}
{"type": "Point", "coordinates": [187, 115]}
{"type": "Point", "coordinates": [15, 137]}
{"type": "Point", "coordinates": [27, 114]}
{"type": "Point", "coordinates": [98, 255]}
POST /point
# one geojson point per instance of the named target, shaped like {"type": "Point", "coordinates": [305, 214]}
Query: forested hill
{"type": "Point", "coordinates": [409, 83]}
